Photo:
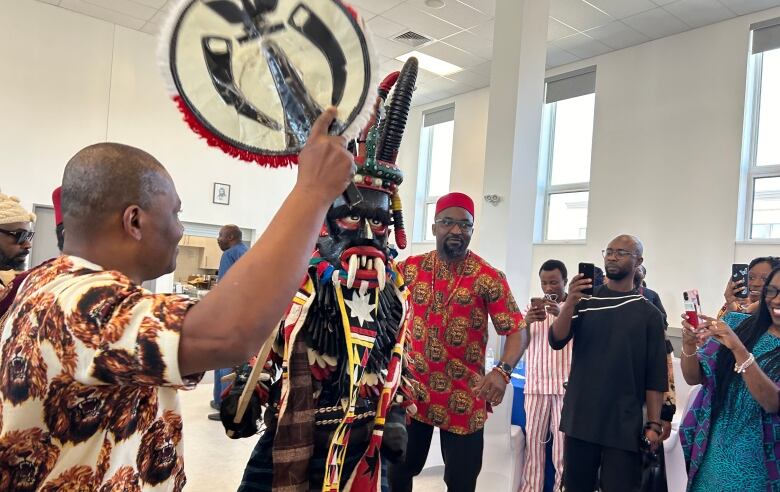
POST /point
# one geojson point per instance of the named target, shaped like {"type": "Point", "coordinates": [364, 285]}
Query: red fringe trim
{"type": "Point", "coordinates": [231, 150]}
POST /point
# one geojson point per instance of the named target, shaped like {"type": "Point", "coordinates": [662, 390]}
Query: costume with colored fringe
{"type": "Point", "coordinates": [334, 391]}
{"type": "Point", "coordinates": [251, 77]}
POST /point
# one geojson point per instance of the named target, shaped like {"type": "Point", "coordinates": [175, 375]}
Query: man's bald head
{"type": "Point", "coordinates": [638, 247]}
{"type": "Point", "coordinates": [121, 211]}
{"type": "Point", "coordinates": [622, 257]}
{"type": "Point", "coordinates": [104, 179]}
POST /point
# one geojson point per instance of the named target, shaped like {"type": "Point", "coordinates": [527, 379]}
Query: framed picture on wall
{"type": "Point", "coordinates": [222, 193]}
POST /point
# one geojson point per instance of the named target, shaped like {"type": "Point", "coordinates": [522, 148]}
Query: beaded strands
{"type": "Point", "coordinates": [452, 291]}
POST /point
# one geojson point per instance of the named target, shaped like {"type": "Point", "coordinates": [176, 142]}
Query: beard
{"type": "Point", "coordinates": [619, 275]}
{"type": "Point", "coordinates": [453, 250]}
{"type": "Point", "coordinates": [12, 263]}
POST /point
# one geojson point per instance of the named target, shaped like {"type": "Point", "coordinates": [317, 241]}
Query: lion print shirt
{"type": "Point", "coordinates": [450, 333]}
{"type": "Point", "coordinates": [88, 379]}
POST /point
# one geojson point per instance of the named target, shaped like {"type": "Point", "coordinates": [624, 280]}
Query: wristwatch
{"type": "Point", "coordinates": [505, 367]}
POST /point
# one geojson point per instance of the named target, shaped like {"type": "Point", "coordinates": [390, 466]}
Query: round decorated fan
{"type": "Point", "coordinates": [251, 76]}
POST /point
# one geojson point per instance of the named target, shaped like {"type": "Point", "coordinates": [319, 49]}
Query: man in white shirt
{"type": "Point", "coordinates": [546, 371]}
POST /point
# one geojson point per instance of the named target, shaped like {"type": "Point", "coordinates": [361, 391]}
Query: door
{"type": "Point", "coordinates": [44, 244]}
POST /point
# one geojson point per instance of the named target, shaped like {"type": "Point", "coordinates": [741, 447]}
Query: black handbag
{"type": "Point", "coordinates": [653, 472]}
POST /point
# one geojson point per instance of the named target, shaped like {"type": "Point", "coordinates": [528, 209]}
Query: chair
{"type": "Point", "coordinates": [504, 453]}
{"type": "Point", "coordinates": [676, 473]}
{"type": "Point", "coordinates": [683, 390]}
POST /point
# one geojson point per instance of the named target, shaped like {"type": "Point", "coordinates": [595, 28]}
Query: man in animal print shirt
{"type": "Point", "coordinates": [90, 362]}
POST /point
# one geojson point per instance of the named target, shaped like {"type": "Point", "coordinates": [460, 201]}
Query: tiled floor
{"type": "Point", "coordinates": [215, 463]}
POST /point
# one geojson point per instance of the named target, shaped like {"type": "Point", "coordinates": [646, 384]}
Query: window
{"type": "Point", "coordinates": [436, 164]}
{"type": "Point", "coordinates": [567, 138]}
{"type": "Point", "coordinates": [761, 157]}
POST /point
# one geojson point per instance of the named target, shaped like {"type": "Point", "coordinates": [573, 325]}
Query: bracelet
{"type": "Point", "coordinates": [649, 426]}
{"type": "Point", "coordinates": [503, 374]}
{"type": "Point", "coordinates": [741, 368]}
{"type": "Point", "coordinates": [682, 350]}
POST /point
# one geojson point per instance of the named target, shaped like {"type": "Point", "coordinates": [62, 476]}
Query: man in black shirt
{"type": "Point", "coordinates": [641, 286]}
{"type": "Point", "coordinates": [619, 365]}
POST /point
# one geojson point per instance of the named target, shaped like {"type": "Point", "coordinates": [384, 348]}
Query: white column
{"type": "Point", "coordinates": [513, 131]}
{"type": "Point", "coordinates": [511, 162]}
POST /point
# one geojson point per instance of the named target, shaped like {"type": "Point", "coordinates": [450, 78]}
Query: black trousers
{"type": "Point", "coordinates": [621, 470]}
{"type": "Point", "coordinates": [462, 459]}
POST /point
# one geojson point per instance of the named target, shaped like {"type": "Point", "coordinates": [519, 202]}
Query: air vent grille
{"type": "Point", "coordinates": [412, 39]}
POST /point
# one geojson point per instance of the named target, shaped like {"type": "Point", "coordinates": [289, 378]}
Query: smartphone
{"type": "Point", "coordinates": [739, 271]}
{"type": "Point", "coordinates": [588, 270]}
{"type": "Point", "coordinates": [692, 307]}
{"type": "Point", "coordinates": [537, 302]}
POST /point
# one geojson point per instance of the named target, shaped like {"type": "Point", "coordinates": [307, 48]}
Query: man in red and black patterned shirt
{"type": "Point", "coordinates": [452, 292]}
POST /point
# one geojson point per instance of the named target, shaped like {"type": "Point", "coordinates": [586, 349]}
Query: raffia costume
{"type": "Point", "coordinates": [334, 385]}
{"type": "Point", "coordinates": [251, 76]}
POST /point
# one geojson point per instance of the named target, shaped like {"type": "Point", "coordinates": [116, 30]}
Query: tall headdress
{"type": "Point", "coordinates": [251, 76]}
{"type": "Point", "coordinates": [379, 142]}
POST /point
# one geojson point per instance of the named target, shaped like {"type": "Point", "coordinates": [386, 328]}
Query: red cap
{"type": "Point", "coordinates": [455, 199]}
{"type": "Point", "coordinates": [56, 200]}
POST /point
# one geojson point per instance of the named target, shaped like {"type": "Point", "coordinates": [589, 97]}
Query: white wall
{"type": "Point", "coordinates": [468, 156]}
{"type": "Point", "coordinates": [665, 162]}
{"type": "Point", "coordinates": [70, 80]}
{"type": "Point", "coordinates": [668, 130]}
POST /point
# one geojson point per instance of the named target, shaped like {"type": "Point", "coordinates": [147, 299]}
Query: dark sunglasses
{"type": "Point", "coordinates": [20, 236]}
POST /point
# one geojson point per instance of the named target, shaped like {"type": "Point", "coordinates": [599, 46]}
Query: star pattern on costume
{"type": "Point", "coordinates": [360, 307]}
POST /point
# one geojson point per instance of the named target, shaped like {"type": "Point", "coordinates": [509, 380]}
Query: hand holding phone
{"type": "Point", "coordinates": [537, 312]}
{"type": "Point", "coordinates": [692, 307]}
{"type": "Point", "coordinates": [739, 276]}
{"type": "Point", "coordinates": [588, 271]}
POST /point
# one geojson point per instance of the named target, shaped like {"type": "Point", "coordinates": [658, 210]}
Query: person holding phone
{"type": "Point", "coordinates": [618, 365]}
{"type": "Point", "coordinates": [546, 371]}
{"type": "Point", "coordinates": [729, 435]}
{"type": "Point", "coordinates": [737, 308]}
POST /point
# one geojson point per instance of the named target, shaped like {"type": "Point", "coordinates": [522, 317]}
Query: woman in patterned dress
{"type": "Point", "coordinates": [730, 434]}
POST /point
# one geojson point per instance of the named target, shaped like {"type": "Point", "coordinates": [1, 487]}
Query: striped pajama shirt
{"type": "Point", "coordinates": [546, 370]}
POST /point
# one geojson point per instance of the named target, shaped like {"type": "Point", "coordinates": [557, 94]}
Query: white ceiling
{"type": "Point", "coordinates": [463, 29]}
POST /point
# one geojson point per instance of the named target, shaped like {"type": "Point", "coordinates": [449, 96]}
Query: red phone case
{"type": "Point", "coordinates": [692, 307]}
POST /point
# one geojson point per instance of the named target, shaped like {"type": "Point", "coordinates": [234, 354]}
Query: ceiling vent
{"type": "Point", "coordinates": [411, 38]}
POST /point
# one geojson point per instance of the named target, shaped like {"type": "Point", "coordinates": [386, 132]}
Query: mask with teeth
{"type": "Point", "coordinates": [355, 239]}
{"type": "Point", "coordinates": [356, 243]}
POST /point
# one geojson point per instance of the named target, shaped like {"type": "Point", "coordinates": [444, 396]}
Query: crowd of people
{"type": "Point", "coordinates": [91, 362]}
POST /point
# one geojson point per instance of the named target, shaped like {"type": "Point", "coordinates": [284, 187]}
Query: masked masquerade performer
{"type": "Point", "coordinates": [333, 387]}
{"type": "Point", "coordinates": [251, 76]}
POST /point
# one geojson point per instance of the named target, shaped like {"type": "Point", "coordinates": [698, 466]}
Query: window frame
{"type": "Point", "coordinates": [545, 188]}
{"type": "Point", "coordinates": [750, 171]}
{"type": "Point", "coordinates": [424, 200]}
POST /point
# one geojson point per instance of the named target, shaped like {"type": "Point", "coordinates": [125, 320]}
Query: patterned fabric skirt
{"type": "Point", "coordinates": [258, 475]}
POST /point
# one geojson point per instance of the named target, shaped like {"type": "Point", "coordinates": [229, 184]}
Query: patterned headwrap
{"type": "Point", "coordinates": [11, 211]}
